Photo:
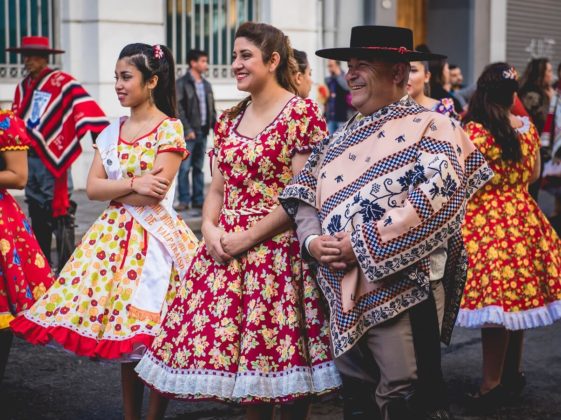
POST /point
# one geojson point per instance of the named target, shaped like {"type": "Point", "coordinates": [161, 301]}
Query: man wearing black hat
{"type": "Point", "coordinates": [379, 206]}
{"type": "Point", "coordinates": [58, 112]}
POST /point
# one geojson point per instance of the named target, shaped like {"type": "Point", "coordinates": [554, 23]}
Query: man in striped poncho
{"type": "Point", "coordinates": [58, 112]}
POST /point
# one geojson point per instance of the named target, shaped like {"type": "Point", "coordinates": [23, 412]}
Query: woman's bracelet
{"type": "Point", "coordinates": [132, 183]}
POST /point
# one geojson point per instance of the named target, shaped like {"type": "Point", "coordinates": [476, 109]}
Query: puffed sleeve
{"type": "Point", "coordinates": [13, 135]}
{"type": "Point", "coordinates": [483, 141]}
{"type": "Point", "coordinates": [307, 128]}
{"type": "Point", "coordinates": [170, 137]}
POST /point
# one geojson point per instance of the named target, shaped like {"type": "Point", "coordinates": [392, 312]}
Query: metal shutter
{"type": "Point", "coordinates": [533, 30]}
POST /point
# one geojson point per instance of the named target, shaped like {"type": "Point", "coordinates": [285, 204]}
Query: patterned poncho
{"type": "Point", "coordinates": [58, 112]}
{"type": "Point", "coordinates": [397, 181]}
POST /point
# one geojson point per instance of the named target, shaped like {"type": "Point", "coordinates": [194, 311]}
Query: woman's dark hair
{"type": "Point", "coordinates": [158, 61]}
{"type": "Point", "coordinates": [436, 68]}
{"type": "Point", "coordinates": [490, 106]}
{"type": "Point", "coordinates": [269, 40]}
{"type": "Point", "coordinates": [301, 59]}
{"type": "Point", "coordinates": [534, 75]}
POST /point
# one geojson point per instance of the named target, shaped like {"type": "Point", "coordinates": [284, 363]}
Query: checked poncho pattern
{"type": "Point", "coordinates": [398, 182]}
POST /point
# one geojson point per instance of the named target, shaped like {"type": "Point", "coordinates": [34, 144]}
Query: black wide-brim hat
{"type": "Point", "coordinates": [383, 43]}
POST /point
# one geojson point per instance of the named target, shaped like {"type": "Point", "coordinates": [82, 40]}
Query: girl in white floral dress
{"type": "Point", "coordinates": [112, 293]}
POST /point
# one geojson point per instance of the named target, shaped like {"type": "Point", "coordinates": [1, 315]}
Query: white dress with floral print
{"type": "Point", "coordinates": [87, 309]}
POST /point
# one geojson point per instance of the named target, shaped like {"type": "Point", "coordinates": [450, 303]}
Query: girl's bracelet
{"type": "Point", "coordinates": [132, 183]}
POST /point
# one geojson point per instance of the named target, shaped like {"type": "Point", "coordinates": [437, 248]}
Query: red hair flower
{"type": "Point", "coordinates": [157, 51]}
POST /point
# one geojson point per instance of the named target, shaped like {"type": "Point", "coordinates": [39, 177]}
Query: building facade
{"type": "Point", "coordinates": [471, 32]}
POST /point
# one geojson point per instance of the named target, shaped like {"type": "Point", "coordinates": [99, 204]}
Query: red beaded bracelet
{"type": "Point", "coordinates": [132, 182]}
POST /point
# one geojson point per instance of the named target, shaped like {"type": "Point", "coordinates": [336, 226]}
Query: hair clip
{"type": "Point", "coordinates": [510, 74]}
{"type": "Point", "coordinates": [157, 51]}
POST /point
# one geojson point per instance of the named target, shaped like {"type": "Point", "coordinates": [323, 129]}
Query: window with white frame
{"type": "Point", "coordinates": [208, 25]}
{"type": "Point", "coordinates": [19, 18]}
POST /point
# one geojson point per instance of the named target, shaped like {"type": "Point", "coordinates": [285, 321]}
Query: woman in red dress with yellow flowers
{"type": "Point", "coordinates": [514, 255]}
{"type": "Point", "coordinates": [25, 274]}
{"type": "Point", "coordinates": [247, 325]}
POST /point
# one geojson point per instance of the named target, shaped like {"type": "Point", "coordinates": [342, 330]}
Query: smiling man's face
{"type": "Point", "coordinates": [374, 84]}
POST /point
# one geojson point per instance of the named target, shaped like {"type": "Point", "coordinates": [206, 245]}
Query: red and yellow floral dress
{"type": "Point", "coordinates": [25, 274]}
{"type": "Point", "coordinates": [87, 310]}
{"type": "Point", "coordinates": [514, 273]}
{"type": "Point", "coordinates": [251, 330]}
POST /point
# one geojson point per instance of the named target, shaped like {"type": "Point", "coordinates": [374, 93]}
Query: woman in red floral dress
{"type": "Point", "coordinates": [514, 255]}
{"type": "Point", "coordinates": [25, 274]}
{"type": "Point", "coordinates": [247, 325]}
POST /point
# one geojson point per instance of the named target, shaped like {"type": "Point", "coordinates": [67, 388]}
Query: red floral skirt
{"type": "Point", "coordinates": [514, 257]}
{"type": "Point", "coordinates": [248, 331]}
{"type": "Point", "coordinates": [25, 274]}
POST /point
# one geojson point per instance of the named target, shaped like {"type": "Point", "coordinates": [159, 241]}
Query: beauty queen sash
{"type": "Point", "coordinates": [165, 248]}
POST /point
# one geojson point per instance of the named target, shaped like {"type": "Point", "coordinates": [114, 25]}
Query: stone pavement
{"type": "Point", "coordinates": [44, 383]}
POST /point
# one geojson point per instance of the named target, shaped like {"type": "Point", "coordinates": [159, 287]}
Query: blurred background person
{"type": "Point", "coordinates": [440, 83]}
{"type": "Point", "coordinates": [303, 77]}
{"type": "Point", "coordinates": [55, 132]}
{"type": "Point", "coordinates": [557, 83]}
{"type": "Point", "coordinates": [337, 106]}
{"type": "Point", "coordinates": [457, 85]}
{"type": "Point", "coordinates": [322, 96]}
{"type": "Point", "coordinates": [551, 134]}
{"type": "Point", "coordinates": [536, 93]}
{"type": "Point", "coordinates": [456, 77]}
{"type": "Point", "coordinates": [197, 112]}
{"type": "Point", "coordinates": [419, 90]}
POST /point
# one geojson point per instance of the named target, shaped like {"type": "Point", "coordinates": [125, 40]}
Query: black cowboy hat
{"type": "Point", "coordinates": [383, 43]}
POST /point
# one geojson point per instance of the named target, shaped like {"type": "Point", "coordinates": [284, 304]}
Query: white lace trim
{"type": "Point", "coordinates": [84, 332]}
{"type": "Point", "coordinates": [205, 383]}
{"type": "Point", "coordinates": [495, 315]}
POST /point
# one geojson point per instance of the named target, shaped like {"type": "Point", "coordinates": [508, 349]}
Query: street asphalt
{"type": "Point", "coordinates": [45, 383]}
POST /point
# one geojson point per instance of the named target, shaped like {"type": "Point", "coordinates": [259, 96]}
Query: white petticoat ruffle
{"type": "Point", "coordinates": [492, 316]}
{"type": "Point", "coordinates": [205, 383]}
